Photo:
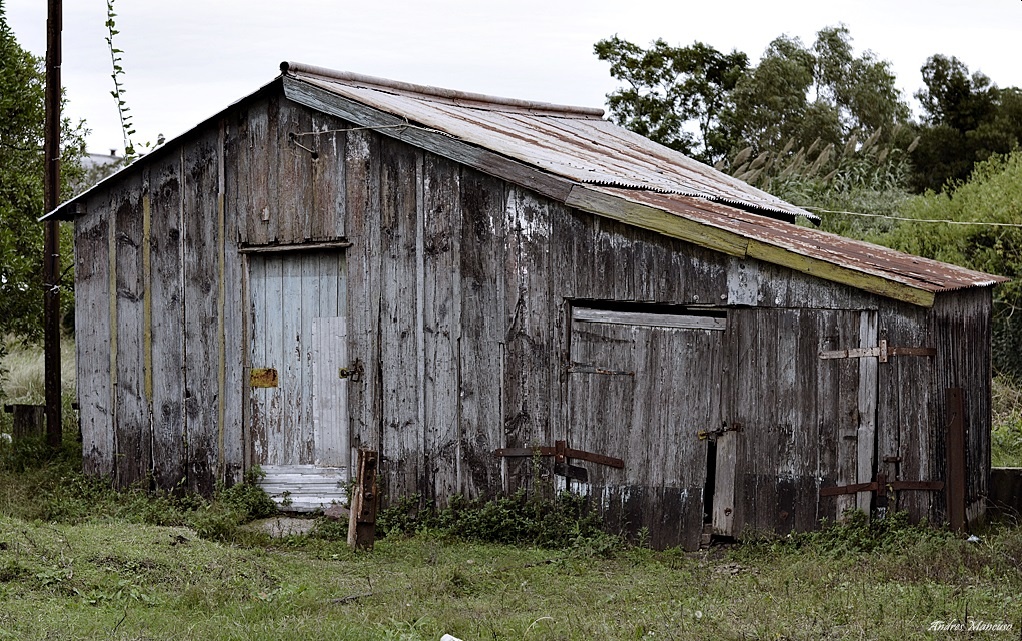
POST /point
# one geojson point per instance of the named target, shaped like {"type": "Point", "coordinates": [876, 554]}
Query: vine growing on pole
{"type": "Point", "coordinates": [127, 127]}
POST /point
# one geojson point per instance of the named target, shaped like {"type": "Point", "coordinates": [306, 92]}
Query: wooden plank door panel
{"type": "Point", "coordinates": [330, 391]}
{"type": "Point", "coordinates": [298, 345]}
{"type": "Point", "coordinates": [641, 387]}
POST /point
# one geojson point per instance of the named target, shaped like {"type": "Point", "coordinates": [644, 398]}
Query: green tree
{"type": "Point", "coordinates": [953, 97]}
{"type": "Point", "coordinates": [966, 119]}
{"type": "Point", "coordinates": [674, 95]}
{"type": "Point", "coordinates": [801, 95]}
{"type": "Point", "coordinates": [993, 194]}
{"type": "Point", "coordinates": [797, 100]}
{"type": "Point", "coordinates": [22, 113]}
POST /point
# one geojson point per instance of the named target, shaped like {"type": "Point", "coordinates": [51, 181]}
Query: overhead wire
{"type": "Point", "coordinates": [914, 220]}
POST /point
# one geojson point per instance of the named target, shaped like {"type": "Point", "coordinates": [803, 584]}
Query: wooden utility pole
{"type": "Point", "coordinates": [51, 242]}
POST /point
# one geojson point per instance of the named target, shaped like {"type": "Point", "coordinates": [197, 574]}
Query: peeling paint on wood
{"type": "Point", "coordinates": [489, 315]}
{"type": "Point", "coordinates": [263, 377]}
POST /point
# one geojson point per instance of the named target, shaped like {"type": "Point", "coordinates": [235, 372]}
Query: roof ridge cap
{"type": "Point", "coordinates": [296, 68]}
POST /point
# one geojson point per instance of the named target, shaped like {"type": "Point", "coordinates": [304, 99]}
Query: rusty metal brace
{"type": "Point", "coordinates": [562, 453]}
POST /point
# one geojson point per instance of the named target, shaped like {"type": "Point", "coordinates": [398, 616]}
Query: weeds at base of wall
{"type": "Point", "coordinates": [39, 484]}
{"type": "Point", "coordinates": [565, 521]}
{"type": "Point", "coordinates": [856, 533]}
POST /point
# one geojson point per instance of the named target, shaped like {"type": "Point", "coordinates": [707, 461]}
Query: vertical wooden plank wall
{"type": "Point", "coordinates": [458, 290]}
{"type": "Point", "coordinates": [133, 432]}
{"type": "Point", "coordinates": [234, 317]}
{"type": "Point", "coordinates": [866, 463]}
{"type": "Point", "coordinates": [428, 303]}
{"type": "Point", "coordinates": [601, 418]}
{"type": "Point", "coordinates": [293, 437]}
{"type": "Point", "coordinates": [167, 352]}
{"type": "Point", "coordinates": [92, 337]}
{"type": "Point", "coordinates": [261, 431]}
{"type": "Point", "coordinates": [838, 391]}
{"type": "Point", "coordinates": [329, 406]}
{"type": "Point", "coordinates": [284, 193]}
{"type": "Point", "coordinates": [908, 423]}
{"type": "Point", "coordinates": [162, 330]}
{"type": "Point", "coordinates": [326, 215]}
{"type": "Point", "coordinates": [362, 200]}
{"type": "Point", "coordinates": [483, 328]}
{"type": "Point", "coordinates": [799, 416]}
{"type": "Point", "coordinates": [402, 435]}
{"type": "Point", "coordinates": [960, 322]}
{"type": "Point", "coordinates": [799, 333]}
{"type": "Point", "coordinates": [441, 306]}
{"type": "Point", "coordinates": [202, 282]}
{"type": "Point", "coordinates": [529, 307]}
{"type": "Point", "coordinates": [756, 410]}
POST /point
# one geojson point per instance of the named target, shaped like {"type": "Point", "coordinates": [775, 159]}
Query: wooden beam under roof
{"type": "Point", "coordinates": [735, 244]}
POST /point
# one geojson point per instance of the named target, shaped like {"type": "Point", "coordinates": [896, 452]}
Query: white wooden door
{"type": "Point", "coordinates": [298, 345]}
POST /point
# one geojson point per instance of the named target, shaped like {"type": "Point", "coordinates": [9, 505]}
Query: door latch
{"type": "Point", "coordinates": [724, 427]}
{"type": "Point", "coordinates": [353, 372]}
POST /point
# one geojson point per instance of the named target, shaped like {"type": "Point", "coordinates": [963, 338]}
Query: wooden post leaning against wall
{"type": "Point", "coordinates": [362, 517]}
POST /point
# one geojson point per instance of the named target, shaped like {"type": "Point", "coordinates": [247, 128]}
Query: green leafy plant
{"type": "Point", "coordinates": [127, 127]}
{"type": "Point", "coordinates": [231, 507]}
{"type": "Point", "coordinates": [1006, 435]}
{"type": "Point", "coordinates": [857, 533]}
{"type": "Point", "coordinates": [558, 522]}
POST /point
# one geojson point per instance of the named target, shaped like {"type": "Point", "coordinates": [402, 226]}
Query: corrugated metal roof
{"type": "Point", "coordinates": [614, 169]}
{"type": "Point", "coordinates": [573, 142]}
{"type": "Point", "coordinates": [883, 262]}
{"type": "Point", "coordinates": [578, 144]}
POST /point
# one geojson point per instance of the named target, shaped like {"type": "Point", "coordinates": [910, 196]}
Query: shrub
{"type": "Point", "coordinates": [858, 534]}
{"type": "Point", "coordinates": [559, 522]}
{"type": "Point", "coordinates": [231, 507]}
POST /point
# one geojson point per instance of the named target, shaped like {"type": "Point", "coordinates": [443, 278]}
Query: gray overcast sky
{"type": "Point", "coordinates": [187, 59]}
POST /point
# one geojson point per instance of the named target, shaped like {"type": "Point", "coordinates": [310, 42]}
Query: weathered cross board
{"type": "Point", "coordinates": [562, 453]}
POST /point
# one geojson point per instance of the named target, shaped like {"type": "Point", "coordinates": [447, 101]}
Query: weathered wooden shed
{"type": "Point", "coordinates": [461, 282]}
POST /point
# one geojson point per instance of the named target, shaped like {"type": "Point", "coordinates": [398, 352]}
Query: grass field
{"type": "Point", "coordinates": [80, 561]}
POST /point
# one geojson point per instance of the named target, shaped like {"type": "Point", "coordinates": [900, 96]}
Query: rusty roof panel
{"type": "Point", "coordinates": [619, 167]}
{"type": "Point", "coordinates": [567, 141]}
{"type": "Point", "coordinates": [883, 262]}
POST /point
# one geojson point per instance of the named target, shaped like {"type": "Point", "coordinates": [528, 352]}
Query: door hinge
{"type": "Point", "coordinates": [881, 486]}
{"type": "Point", "coordinates": [881, 352]}
{"type": "Point", "coordinates": [353, 372]}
